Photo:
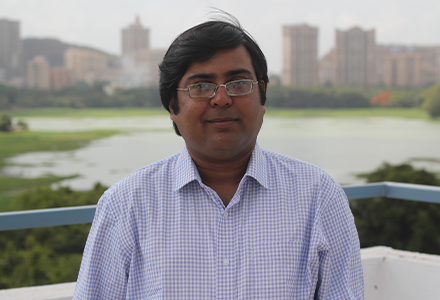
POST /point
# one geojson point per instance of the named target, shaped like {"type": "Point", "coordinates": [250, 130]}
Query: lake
{"type": "Point", "coordinates": [343, 147]}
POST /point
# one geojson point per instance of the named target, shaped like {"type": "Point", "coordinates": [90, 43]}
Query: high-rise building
{"type": "Point", "coordinates": [135, 37]}
{"type": "Point", "coordinates": [148, 60]}
{"type": "Point", "coordinates": [59, 78]}
{"type": "Point", "coordinates": [300, 55]}
{"type": "Point", "coordinates": [405, 65]}
{"type": "Point", "coordinates": [430, 61]}
{"type": "Point", "coordinates": [355, 57]}
{"type": "Point", "coordinates": [86, 65]}
{"type": "Point", "coordinates": [327, 68]}
{"type": "Point", "coordinates": [38, 76]}
{"type": "Point", "coordinates": [403, 69]}
{"type": "Point", "coordinates": [10, 48]}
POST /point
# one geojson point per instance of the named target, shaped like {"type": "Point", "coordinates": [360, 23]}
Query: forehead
{"type": "Point", "coordinates": [225, 63]}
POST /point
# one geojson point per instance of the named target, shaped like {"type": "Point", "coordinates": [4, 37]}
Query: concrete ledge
{"type": "Point", "coordinates": [61, 291]}
{"type": "Point", "coordinates": [395, 274]}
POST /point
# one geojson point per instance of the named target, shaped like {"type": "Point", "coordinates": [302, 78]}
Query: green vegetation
{"type": "Point", "coordinates": [341, 97]}
{"type": "Point", "coordinates": [401, 224]}
{"type": "Point", "coordinates": [45, 255]}
{"type": "Point", "coordinates": [31, 141]}
{"type": "Point", "coordinates": [432, 101]}
{"type": "Point", "coordinates": [78, 97]}
{"type": "Point", "coordinates": [11, 185]}
{"type": "Point", "coordinates": [52, 112]}
{"type": "Point", "coordinates": [94, 96]}
{"type": "Point", "coordinates": [413, 113]}
{"type": "Point", "coordinates": [5, 123]}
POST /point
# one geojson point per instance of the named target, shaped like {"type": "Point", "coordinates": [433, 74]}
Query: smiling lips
{"type": "Point", "coordinates": [222, 122]}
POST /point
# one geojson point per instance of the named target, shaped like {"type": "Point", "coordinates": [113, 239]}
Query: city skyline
{"type": "Point", "coordinates": [97, 23]}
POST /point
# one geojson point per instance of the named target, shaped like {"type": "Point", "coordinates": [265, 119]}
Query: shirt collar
{"type": "Point", "coordinates": [257, 167]}
{"type": "Point", "coordinates": [186, 170]}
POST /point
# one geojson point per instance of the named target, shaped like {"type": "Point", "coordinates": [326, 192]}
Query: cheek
{"type": "Point", "coordinates": [186, 117]}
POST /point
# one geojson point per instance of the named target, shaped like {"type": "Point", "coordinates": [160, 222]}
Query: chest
{"type": "Point", "coordinates": [250, 250]}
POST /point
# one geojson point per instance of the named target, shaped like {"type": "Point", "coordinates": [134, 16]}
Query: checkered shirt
{"type": "Point", "coordinates": [160, 233]}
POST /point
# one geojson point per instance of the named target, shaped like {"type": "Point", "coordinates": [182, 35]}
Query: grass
{"type": "Point", "coordinates": [8, 184]}
{"type": "Point", "coordinates": [85, 112]}
{"type": "Point", "coordinates": [14, 143]}
{"type": "Point", "coordinates": [11, 185]}
{"type": "Point", "coordinates": [411, 113]}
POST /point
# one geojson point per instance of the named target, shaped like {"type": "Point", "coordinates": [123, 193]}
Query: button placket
{"type": "Point", "coordinates": [226, 259]}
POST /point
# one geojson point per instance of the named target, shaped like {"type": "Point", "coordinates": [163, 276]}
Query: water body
{"type": "Point", "coordinates": [341, 146]}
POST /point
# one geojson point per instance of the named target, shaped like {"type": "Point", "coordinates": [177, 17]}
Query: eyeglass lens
{"type": "Point", "coordinates": [234, 88]}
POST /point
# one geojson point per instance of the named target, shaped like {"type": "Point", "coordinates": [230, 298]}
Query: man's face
{"type": "Point", "coordinates": [222, 127]}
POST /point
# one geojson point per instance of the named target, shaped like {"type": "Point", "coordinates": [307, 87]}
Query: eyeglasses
{"type": "Point", "coordinates": [204, 90]}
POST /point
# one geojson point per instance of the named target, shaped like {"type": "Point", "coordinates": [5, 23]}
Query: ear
{"type": "Point", "coordinates": [170, 107]}
{"type": "Point", "coordinates": [263, 85]}
{"type": "Point", "coordinates": [172, 115]}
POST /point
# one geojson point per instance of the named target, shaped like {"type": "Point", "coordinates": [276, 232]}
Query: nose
{"type": "Point", "coordinates": [221, 98]}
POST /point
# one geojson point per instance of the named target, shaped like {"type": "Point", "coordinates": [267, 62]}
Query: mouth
{"type": "Point", "coordinates": [222, 122]}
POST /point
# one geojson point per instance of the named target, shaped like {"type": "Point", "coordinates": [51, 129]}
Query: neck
{"type": "Point", "coordinates": [223, 175]}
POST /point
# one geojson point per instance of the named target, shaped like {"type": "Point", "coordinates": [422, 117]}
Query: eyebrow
{"type": "Point", "coordinates": [211, 76]}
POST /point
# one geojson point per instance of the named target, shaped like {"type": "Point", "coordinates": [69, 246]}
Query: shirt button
{"type": "Point", "coordinates": [226, 262]}
{"type": "Point", "coordinates": [225, 214]}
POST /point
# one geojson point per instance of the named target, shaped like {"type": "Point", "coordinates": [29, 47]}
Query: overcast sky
{"type": "Point", "coordinates": [98, 23]}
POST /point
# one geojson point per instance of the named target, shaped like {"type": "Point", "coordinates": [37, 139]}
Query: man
{"type": "Point", "coordinates": [223, 219]}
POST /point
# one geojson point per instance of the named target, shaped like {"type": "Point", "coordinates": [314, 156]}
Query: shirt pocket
{"type": "Point", "coordinates": [276, 265]}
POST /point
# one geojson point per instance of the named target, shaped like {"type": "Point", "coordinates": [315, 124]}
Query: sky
{"type": "Point", "coordinates": [98, 23]}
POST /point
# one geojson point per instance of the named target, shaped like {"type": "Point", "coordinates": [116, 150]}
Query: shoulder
{"type": "Point", "coordinates": [147, 175]}
{"type": "Point", "coordinates": [302, 177]}
{"type": "Point", "coordinates": [140, 186]}
{"type": "Point", "coordinates": [295, 167]}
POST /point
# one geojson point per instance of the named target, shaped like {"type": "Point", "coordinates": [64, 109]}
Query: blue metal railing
{"type": "Point", "coordinates": [405, 191]}
{"type": "Point", "coordinates": [84, 214]}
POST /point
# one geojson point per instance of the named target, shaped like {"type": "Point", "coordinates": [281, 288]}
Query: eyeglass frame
{"type": "Point", "coordinates": [217, 86]}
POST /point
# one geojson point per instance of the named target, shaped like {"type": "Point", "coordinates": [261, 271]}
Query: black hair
{"type": "Point", "coordinates": [200, 43]}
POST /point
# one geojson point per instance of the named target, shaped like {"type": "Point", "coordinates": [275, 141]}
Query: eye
{"type": "Point", "coordinates": [201, 86]}
{"type": "Point", "coordinates": [240, 82]}
{"type": "Point", "coordinates": [239, 86]}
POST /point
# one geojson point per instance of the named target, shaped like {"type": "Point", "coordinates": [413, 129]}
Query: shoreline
{"type": "Point", "coordinates": [412, 113]}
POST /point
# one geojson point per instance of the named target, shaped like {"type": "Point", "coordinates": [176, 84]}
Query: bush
{"type": "Point", "coordinates": [400, 224]}
{"type": "Point", "coordinates": [5, 123]}
{"type": "Point", "coordinates": [432, 101]}
{"type": "Point", "coordinates": [45, 255]}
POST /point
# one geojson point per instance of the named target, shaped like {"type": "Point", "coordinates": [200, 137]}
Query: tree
{"type": "Point", "coordinates": [432, 101]}
{"type": "Point", "coordinates": [5, 123]}
{"type": "Point", "coordinates": [401, 224]}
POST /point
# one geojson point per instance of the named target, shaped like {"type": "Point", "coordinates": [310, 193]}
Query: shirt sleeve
{"type": "Point", "coordinates": [340, 274]}
{"type": "Point", "coordinates": [106, 259]}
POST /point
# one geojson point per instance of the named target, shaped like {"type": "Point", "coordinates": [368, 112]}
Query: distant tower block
{"type": "Point", "coordinates": [355, 57]}
{"type": "Point", "coordinates": [38, 73]}
{"type": "Point", "coordinates": [300, 55]}
{"type": "Point", "coordinates": [10, 48]}
{"type": "Point", "coordinates": [134, 38]}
